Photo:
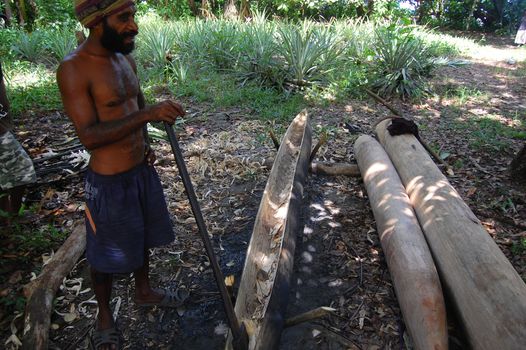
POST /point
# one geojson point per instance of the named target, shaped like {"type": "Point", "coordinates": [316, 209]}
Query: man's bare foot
{"type": "Point", "coordinates": [151, 296]}
{"type": "Point", "coordinates": [162, 297]}
{"type": "Point", "coordinates": [105, 336]}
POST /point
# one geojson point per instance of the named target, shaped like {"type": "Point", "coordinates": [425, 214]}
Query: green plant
{"type": "Point", "coordinates": [60, 43]}
{"type": "Point", "coordinates": [520, 247]}
{"type": "Point", "coordinates": [401, 61]}
{"type": "Point", "coordinates": [13, 302]}
{"type": "Point", "coordinates": [257, 60]}
{"type": "Point", "coordinates": [223, 44]}
{"type": "Point", "coordinates": [309, 52]}
{"type": "Point", "coordinates": [156, 42]}
{"type": "Point", "coordinates": [7, 37]}
{"type": "Point", "coordinates": [463, 94]}
{"type": "Point", "coordinates": [179, 71]}
{"type": "Point", "coordinates": [39, 241]}
{"type": "Point", "coordinates": [29, 46]}
{"type": "Point", "coordinates": [458, 164]}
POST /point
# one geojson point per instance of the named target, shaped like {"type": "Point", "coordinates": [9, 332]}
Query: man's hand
{"type": "Point", "coordinates": [166, 111]}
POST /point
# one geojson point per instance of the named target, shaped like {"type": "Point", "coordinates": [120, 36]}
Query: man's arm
{"type": "Point", "coordinates": [141, 103]}
{"type": "Point", "coordinates": [80, 107]}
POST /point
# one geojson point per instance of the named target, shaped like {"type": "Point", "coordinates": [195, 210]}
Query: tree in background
{"type": "Point", "coordinates": [502, 15]}
{"type": "Point", "coordinates": [469, 14]}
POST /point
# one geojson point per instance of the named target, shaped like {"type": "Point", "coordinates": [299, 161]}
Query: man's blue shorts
{"type": "Point", "coordinates": [125, 214]}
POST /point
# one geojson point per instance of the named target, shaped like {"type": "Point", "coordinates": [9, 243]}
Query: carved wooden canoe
{"type": "Point", "coordinates": [264, 287]}
{"type": "Point", "coordinates": [411, 265]}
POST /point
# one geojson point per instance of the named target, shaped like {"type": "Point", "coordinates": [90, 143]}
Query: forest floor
{"type": "Point", "coordinates": [475, 121]}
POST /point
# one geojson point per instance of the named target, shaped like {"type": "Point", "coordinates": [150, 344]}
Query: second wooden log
{"type": "Point", "coordinates": [410, 263]}
{"type": "Point", "coordinates": [487, 292]}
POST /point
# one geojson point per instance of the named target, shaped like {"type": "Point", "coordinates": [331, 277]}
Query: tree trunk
{"type": "Point", "coordinates": [470, 16]}
{"type": "Point", "coordinates": [205, 9]}
{"type": "Point", "coordinates": [370, 7]}
{"type": "Point", "coordinates": [420, 10]}
{"type": "Point", "coordinates": [8, 13]}
{"type": "Point", "coordinates": [41, 291]}
{"type": "Point", "coordinates": [486, 291]}
{"type": "Point", "coordinates": [193, 7]}
{"type": "Point", "coordinates": [244, 11]}
{"type": "Point", "coordinates": [230, 10]}
{"type": "Point", "coordinates": [405, 248]}
{"type": "Point", "coordinates": [518, 165]}
{"type": "Point", "coordinates": [21, 10]}
{"type": "Point", "coordinates": [499, 8]}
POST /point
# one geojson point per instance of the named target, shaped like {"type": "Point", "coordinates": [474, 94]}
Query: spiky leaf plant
{"type": "Point", "coordinates": [309, 52]}
{"type": "Point", "coordinates": [29, 46]}
{"type": "Point", "coordinates": [156, 42]}
{"type": "Point", "coordinates": [60, 43]}
{"type": "Point", "coordinates": [401, 61]}
{"type": "Point", "coordinates": [258, 61]}
{"type": "Point", "coordinates": [223, 46]}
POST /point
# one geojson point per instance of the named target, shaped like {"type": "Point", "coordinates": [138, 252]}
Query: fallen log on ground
{"type": "Point", "coordinates": [311, 315]}
{"type": "Point", "coordinates": [41, 291]}
{"type": "Point", "coordinates": [486, 291]}
{"type": "Point", "coordinates": [410, 263]}
{"type": "Point", "coordinates": [335, 169]}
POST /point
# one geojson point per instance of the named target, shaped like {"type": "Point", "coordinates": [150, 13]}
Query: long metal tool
{"type": "Point", "coordinates": [238, 330]}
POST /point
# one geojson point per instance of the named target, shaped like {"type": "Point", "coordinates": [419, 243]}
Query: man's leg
{"type": "Point", "coordinates": [143, 291]}
{"type": "Point", "coordinates": [102, 284]}
{"type": "Point", "coordinates": [10, 202]}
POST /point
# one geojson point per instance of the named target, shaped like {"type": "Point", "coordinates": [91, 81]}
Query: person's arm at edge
{"type": "Point", "coordinates": [4, 123]}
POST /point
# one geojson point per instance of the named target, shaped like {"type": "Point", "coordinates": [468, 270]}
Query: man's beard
{"type": "Point", "coordinates": [113, 41]}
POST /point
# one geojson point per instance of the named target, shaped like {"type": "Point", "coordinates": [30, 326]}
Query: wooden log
{"type": "Point", "coordinates": [334, 169]}
{"type": "Point", "coordinates": [315, 314]}
{"type": "Point", "coordinates": [410, 262]}
{"type": "Point", "coordinates": [487, 293]}
{"type": "Point", "coordinates": [41, 291]}
{"type": "Point", "coordinates": [263, 293]}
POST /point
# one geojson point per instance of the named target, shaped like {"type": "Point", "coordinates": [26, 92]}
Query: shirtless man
{"type": "Point", "coordinates": [125, 208]}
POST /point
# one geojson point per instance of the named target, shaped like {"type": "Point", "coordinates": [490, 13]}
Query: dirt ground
{"type": "Point", "coordinates": [338, 260]}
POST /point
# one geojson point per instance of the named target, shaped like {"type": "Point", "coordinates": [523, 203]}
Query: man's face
{"type": "Point", "coordinates": [116, 41]}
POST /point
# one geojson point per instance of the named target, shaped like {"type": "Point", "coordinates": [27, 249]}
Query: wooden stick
{"type": "Point", "coordinates": [41, 291]}
{"type": "Point", "coordinates": [309, 316]}
{"type": "Point", "coordinates": [335, 169]}
{"type": "Point", "coordinates": [384, 102]}
{"type": "Point", "coordinates": [274, 139]}
{"type": "Point", "coordinates": [321, 142]}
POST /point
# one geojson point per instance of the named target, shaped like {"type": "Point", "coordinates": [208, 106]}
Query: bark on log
{"type": "Point", "coordinates": [41, 291]}
{"type": "Point", "coordinates": [410, 262]}
{"type": "Point", "coordinates": [487, 292]}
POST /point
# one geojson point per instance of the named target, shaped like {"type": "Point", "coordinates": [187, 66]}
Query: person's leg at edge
{"type": "Point", "coordinates": [102, 285]}
{"type": "Point", "coordinates": [143, 290]}
{"type": "Point", "coordinates": [10, 202]}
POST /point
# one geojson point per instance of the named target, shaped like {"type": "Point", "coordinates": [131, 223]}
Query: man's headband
{"type": "Point", "coordinates": [92, 12]}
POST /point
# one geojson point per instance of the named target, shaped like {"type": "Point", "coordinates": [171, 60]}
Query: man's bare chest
{"type": "Point", "coordinates": [113, 85]}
